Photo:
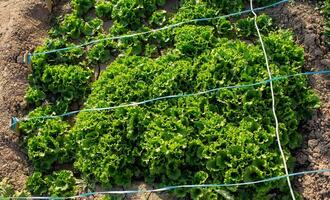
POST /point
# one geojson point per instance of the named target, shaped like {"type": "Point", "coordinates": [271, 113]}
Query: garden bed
{"type": "Point", "coordinates": [26, 26]}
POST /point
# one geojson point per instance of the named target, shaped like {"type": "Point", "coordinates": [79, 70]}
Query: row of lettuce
{"type": "Point", "coordinates": [225, 136]}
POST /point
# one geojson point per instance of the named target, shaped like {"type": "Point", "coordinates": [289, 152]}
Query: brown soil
{"type": "Point", "coordinates": [306, 22]}
{"type": "Point", "coordinates": [23, 25]}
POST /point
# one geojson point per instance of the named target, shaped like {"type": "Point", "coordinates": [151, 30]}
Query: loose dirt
{"type": "Point", "coordinates": [307, 24]}
{"type": "Point", "coordinates": [23, 25]}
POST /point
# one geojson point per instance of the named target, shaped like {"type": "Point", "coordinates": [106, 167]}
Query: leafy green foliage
{"type": "Point", "coordinates": [71, 27]}
{"type": "Point", "coordinates": [223, 27]}
{"type": "Point", "coordinates": [82, 6]}
{"type": "Point", "coordinates": [158, 18]}
{"type": "Point", "coordinates": [69, 57]}
{"type": "Point", "coordinates": [114, 152]}
{"type": "Point", "coordinates": [34, 95]}
{"type": "Point", "coordinates": [246, 27]}
{"type": "Point", "coordinates": [47, 147]}
{"type": "Point", "coordinates": [193, 40]}
{"type": "Point", "coordinates": [221, 137]}
{"type": "Point", "coordinates": [30, 127]}
{"type": "Point", "coordinates": [36, 184]}
{"type": "Point", "coordinates": [59, 184]}
{"type": "Point", "coordinates": [191, 11]}
{"type": "Point", "coordinates": [224, 137]}
{"type": "Point", "coordinates": [227, 6]}
{"type": "Point", "coordinates": [62, 183]}
{"type": "Point", "coordinates": [98, 54]}
{"type": "Point", "coordinates": [92, 27]}
{"type": "Point", "coordinates": [70, 82]}
{"type": "Point", "coordinates": [131, 12]}
{"type": "Point", "coordinates": [103, 9]}
{"type": "Point", "coordinates": [280, 42]}
{"type": "Point", "coordinates": [47, 140]}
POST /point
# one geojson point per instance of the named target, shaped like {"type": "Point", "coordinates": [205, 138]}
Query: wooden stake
{"type": "Point", "coordinates": [27, 59]}
{"type": "Point", "coordinates": [49, 4]}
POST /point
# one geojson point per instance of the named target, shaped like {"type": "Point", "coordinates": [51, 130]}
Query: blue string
{"type": "Point", "coordinates": [209, 185]}
{"type": "Point", "coordinates": [172, 96]}
{"type": "Point", "coordinates": [168, 188]}
{"type": "Point", "coordinates": [159, 29]}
